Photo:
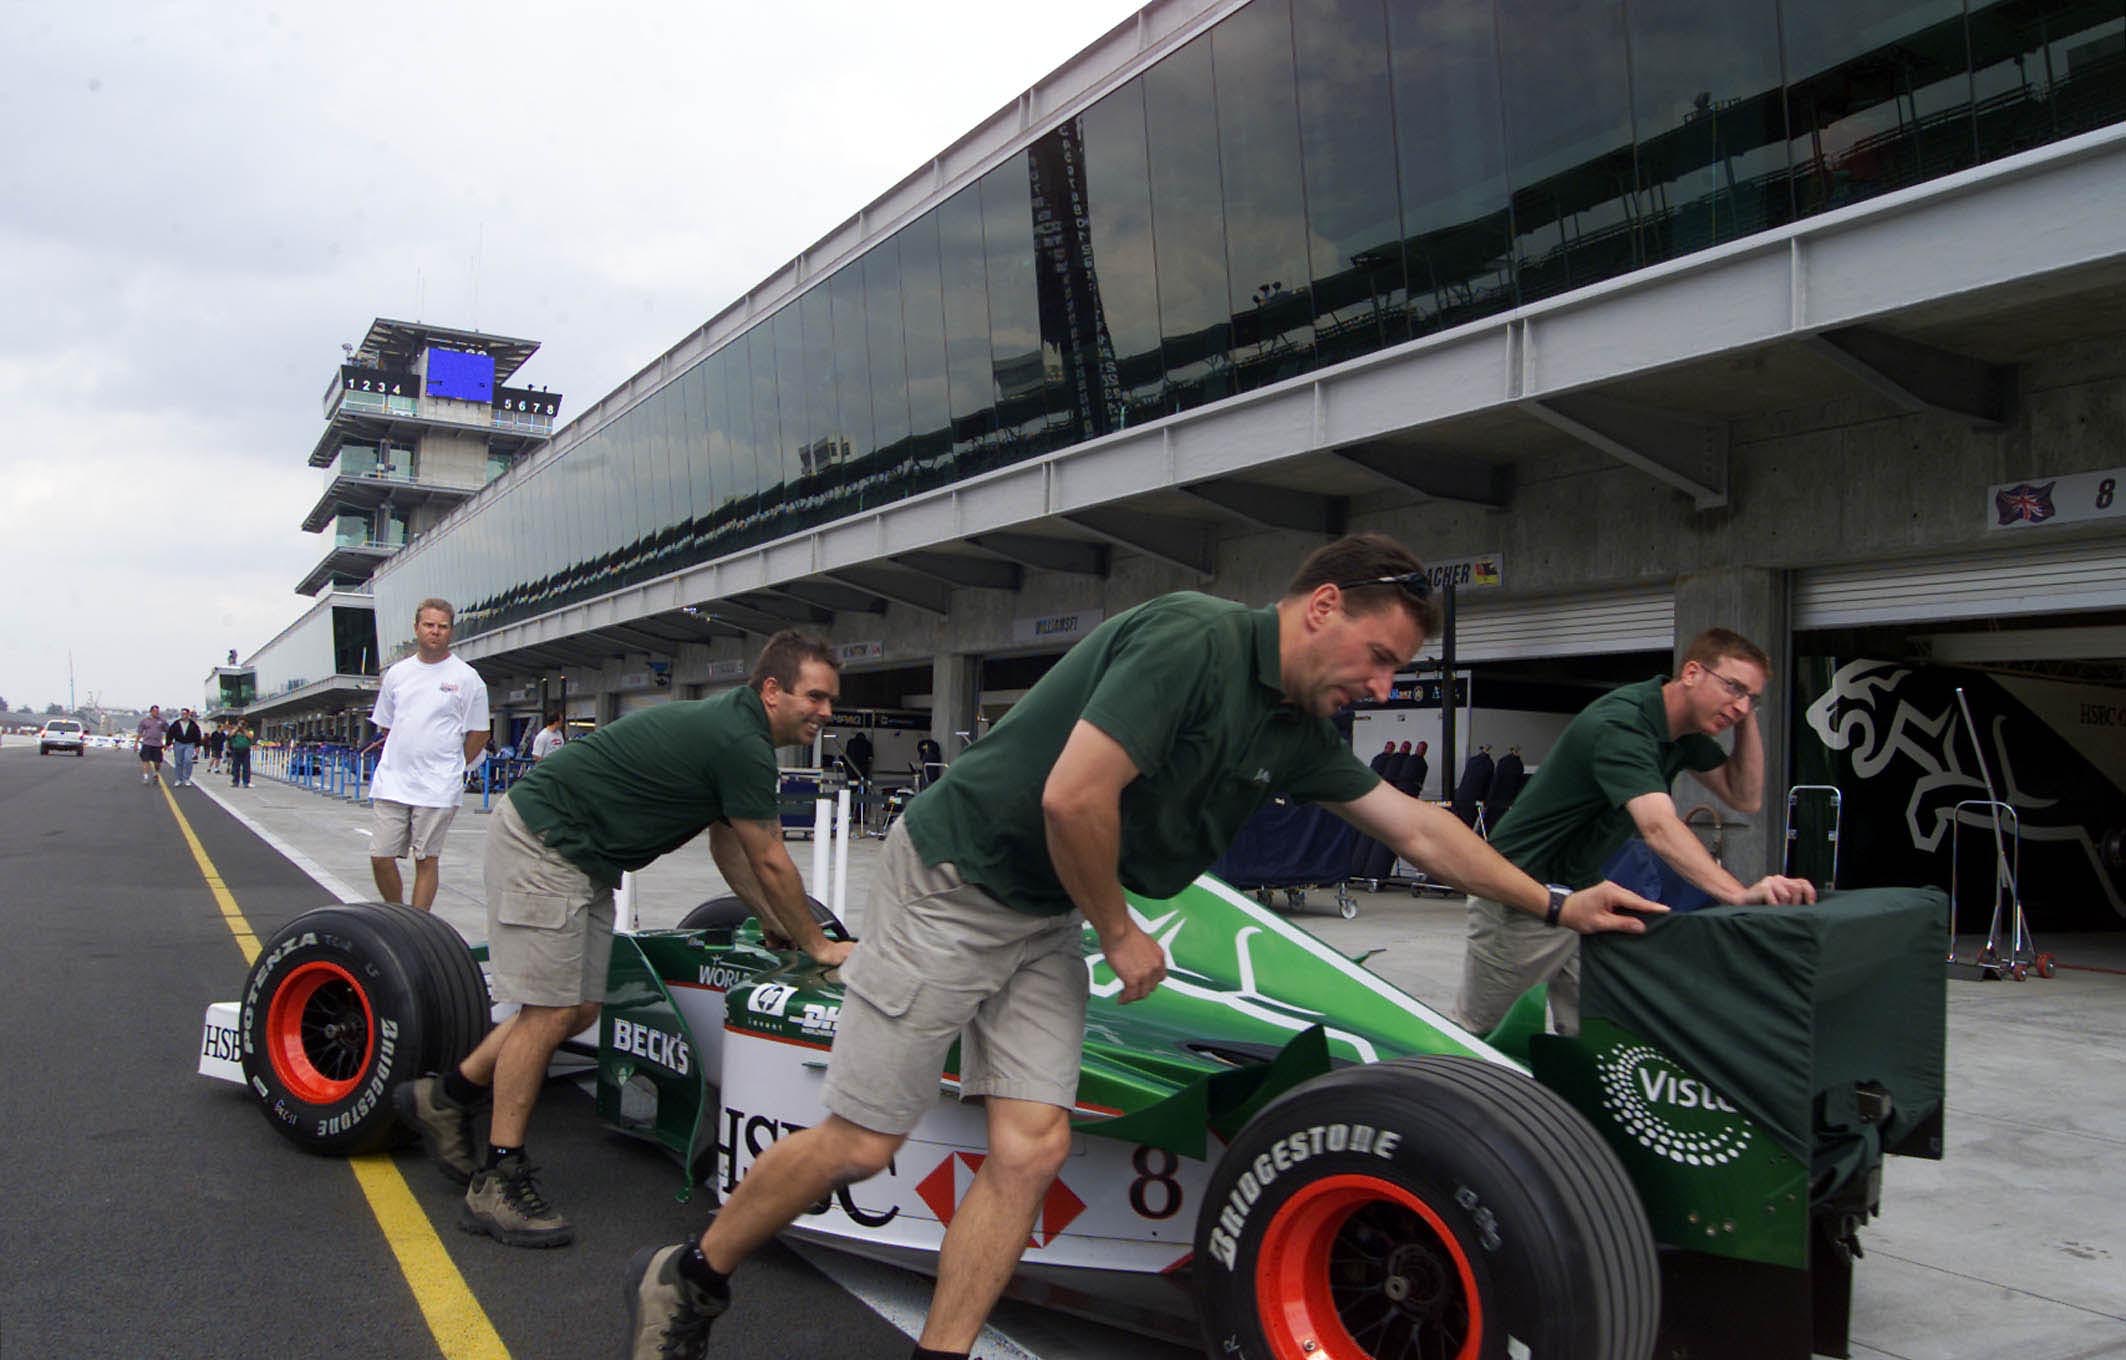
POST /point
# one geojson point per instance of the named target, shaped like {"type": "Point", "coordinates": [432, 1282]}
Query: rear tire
{"type": "Point", "coordinates": [344, 1004]}
{"type": "Point", "coordinates": [1438, 1207]}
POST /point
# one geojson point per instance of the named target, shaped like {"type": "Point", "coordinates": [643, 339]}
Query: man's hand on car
{"type": "Point", "coordinates": [1138, 962]}
{"type": "Point", "coordinates": [1607, 906]}
{"type": "Point", "coordinates": [1778, 890]}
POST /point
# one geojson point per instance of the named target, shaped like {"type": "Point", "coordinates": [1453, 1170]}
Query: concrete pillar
{"type": "Point", "coordinates": [955, 698]}
{"type": "Point", "coordinates": [1753, 602]}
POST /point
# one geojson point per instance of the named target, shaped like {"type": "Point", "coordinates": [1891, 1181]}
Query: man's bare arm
{"type": "Point", "coordinates": [757, 865]}
{"type": "Point", "coordinates": [1081, 807]}
{"type": "Point", "coordinates": [475, 742]}
{"type": "Point", "coordinates": [1665, 834]}
{"type": "Point", "coordinates": [1739, 782]}
{"type": "Point", "coordinates": [1427, 834]}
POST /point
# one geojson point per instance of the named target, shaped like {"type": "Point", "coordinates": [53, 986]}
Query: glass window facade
{"type": "Point", "coordinates": [1305, 182]}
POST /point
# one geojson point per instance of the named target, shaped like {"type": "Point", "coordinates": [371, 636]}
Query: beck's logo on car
{"type": "Point", "coordinates": [1668, 1113]}
{"type": "Point", "coordinates": [668, 1051]}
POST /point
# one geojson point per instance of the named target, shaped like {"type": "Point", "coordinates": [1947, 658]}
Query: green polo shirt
{"type": "Point", "coordinates": [1190, 687]}
{"type": "Point", "coordinates": [1570, 818]}
{"type": "Point", "coordinates": [647, 784]}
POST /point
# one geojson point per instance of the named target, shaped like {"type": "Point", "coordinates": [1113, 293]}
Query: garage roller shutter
{"type": "Point", "coordinates": [1580, 625]}
{"type": "Point", "coordinates": [2054, 579]}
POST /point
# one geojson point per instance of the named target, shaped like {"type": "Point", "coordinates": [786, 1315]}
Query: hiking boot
{"type": "Point", "coordinates": [668, 1316]}
{"type": "Point", "coordinates": [444, 1125]}
{"type": "Point", "coordinates": [505, 1203]}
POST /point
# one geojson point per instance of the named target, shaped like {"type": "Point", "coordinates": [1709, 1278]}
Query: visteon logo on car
{"type": "Point", "coordinates": [1670, 1114]}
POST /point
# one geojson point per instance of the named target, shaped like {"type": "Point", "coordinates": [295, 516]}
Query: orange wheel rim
{"type": "Point", "coordinates": [320, 1033]}
{"type": "Point", "coordinates": [1358, 1268]}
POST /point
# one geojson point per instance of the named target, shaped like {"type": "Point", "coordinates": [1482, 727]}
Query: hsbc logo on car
{"type": "Point", "coordinates": [668, 1051]}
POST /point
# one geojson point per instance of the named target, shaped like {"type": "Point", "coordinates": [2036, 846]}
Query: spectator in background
{"type": "Point", "coordinates": [240, 755]}
{"type": "Point", "coordinates": [217, 742]}
{"type": "Point", "coordinates": [550, 738]}
{"type": "Point", "coordinates": [185, 739]}
{"type": "Point", "coordinates": [151, 733]}
{"type": "Point", "coordinates": [432, 709]}
{"type": "Point", "coordinates": [858, 754]}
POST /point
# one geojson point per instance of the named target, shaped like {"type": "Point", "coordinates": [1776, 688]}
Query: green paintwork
{"type": "Point", "coordinates": [1752, 1207]}
{"type": "Point", "coordinates": [1252, 1006]}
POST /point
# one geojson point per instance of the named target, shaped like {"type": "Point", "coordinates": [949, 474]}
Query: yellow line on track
{"type": "Point", "coordinates": [231, 915]}
{"type": "Point", "coordinates": [455, 1319]}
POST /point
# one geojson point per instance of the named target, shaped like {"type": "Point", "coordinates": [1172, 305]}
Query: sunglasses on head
{"type": "Point", "coordinates": [1412, 583]}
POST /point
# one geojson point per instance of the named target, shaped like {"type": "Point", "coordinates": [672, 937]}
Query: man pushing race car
{"type": "Point", "coordinates": [1154, 739]}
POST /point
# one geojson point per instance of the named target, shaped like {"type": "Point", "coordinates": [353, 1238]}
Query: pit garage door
{"type": "Point", "coordinates": [1573, 625]}
{"type": "Point", "coordinates": [2058, 578]}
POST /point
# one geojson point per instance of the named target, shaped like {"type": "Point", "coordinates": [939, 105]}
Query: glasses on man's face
{"type": "Point", "coordinates": [1411, 583]}
{"type": "Point", "coordinates": [1737, 688]}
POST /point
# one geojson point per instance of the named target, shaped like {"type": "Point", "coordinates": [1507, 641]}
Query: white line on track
{"type": "Point", "coordinates": [324, 877]}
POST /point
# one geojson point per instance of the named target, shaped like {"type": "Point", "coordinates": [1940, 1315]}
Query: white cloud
{"type": "Point", "coordinates": [216, 195]}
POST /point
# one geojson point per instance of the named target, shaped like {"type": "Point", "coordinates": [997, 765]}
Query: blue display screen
{"type": "Point", "coordinates": [464, 377]}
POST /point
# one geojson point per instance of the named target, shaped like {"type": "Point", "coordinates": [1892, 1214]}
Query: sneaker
{"type": "Point", "coordinates": [668, 1317]}
{"type": "Point", "coordinates": [505, 1203]}
{"type": "Point", "coordinates": [444, 1125]}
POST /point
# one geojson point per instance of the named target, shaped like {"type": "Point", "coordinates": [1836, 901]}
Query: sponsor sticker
{"type": "Point", "coordinates": [1669, 1113]}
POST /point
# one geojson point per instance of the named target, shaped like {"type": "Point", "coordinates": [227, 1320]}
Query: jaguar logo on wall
{"type": "Point", "coordinates": [1890, 737]}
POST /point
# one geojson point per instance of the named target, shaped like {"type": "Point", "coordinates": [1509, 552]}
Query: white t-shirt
{"type": "Point", "coordinates": [428, 707]}
{"type": "Point", "coordinates": [547, 742]}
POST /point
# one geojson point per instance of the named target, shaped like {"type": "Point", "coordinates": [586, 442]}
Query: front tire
{"type": "Point", "coordinates": [1437, 1208]}
{"type": "Point", "coordinates": [343, 1005]}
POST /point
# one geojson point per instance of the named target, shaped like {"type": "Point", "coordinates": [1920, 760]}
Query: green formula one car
{"type": "Point", "coordinates": [1279, 1154]}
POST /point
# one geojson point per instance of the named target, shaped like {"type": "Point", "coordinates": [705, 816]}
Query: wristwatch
{"type": "Point", "coordinates": [1557, 903]}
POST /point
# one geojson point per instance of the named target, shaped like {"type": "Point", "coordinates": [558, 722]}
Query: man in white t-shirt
{"type": "Point", "coordinates": [432, 708]}
{"type": "Point", "coordinates": [549, 739]}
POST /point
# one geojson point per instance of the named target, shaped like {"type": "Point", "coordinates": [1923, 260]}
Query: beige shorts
{"type": "Point", "coordinates": [549, 928]}
{"type": "Point", "coordinates": [401, 829]}
{"type": "Point", "coordinates": [1509, 952]}
{"type": "Point", "coordinates": [941, 960]}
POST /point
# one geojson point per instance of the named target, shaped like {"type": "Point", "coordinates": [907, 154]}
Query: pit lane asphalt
{"type": "Point", "coordinates": [151, 1211]}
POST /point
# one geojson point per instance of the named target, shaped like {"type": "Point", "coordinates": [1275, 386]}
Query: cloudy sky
{"type": "Point", "coordinates": [200, 202]}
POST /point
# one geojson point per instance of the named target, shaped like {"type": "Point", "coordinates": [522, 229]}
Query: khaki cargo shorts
{"type": "Point", "coordinates": [400, 829]}
{"type": "Point", "coordinates": [941, 960]}
{"type": "Point", "coordinates": [549, 928]}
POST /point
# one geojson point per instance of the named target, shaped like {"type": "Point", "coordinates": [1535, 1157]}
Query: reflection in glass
{"type": "Point", "coordinates": [1022, 369]}
{"type": "Point", "coordinates": [923, 343]}
{"type": "Point", "coordinates": [793, 398]}
{"type": "Point", "coordinates": [1568, 141]}
{"type": "Point", "coordinates": [1711, 122]}
{"type": "Point", "coordinates": [1076, 351]}
{"type": "Point", "coordinates": [889, 374]}
{"type": "Point", "coordinates": [1188, 227]}
{"type": "Point", "coordinates": [1119, 214]}
{"type": "Point", "coordinates": [971, 383]}
{"type": "Point", "coordinates": [767, 418]}
{"type": "Point", "coordinates": [823, 448]}
{"type": "Point", "coordinates": [1270, 294]}
{"type": "Point", "coordinates": [1451, 161]}
{"type": "Point", "coordinates": [852, 369]}
{"type": "Point", "coordinates": [1878, 97]}
{"type": "Point", "coordinates": [1347, 141]}
{"type": "Point", "coordinates": [2042, 70]}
